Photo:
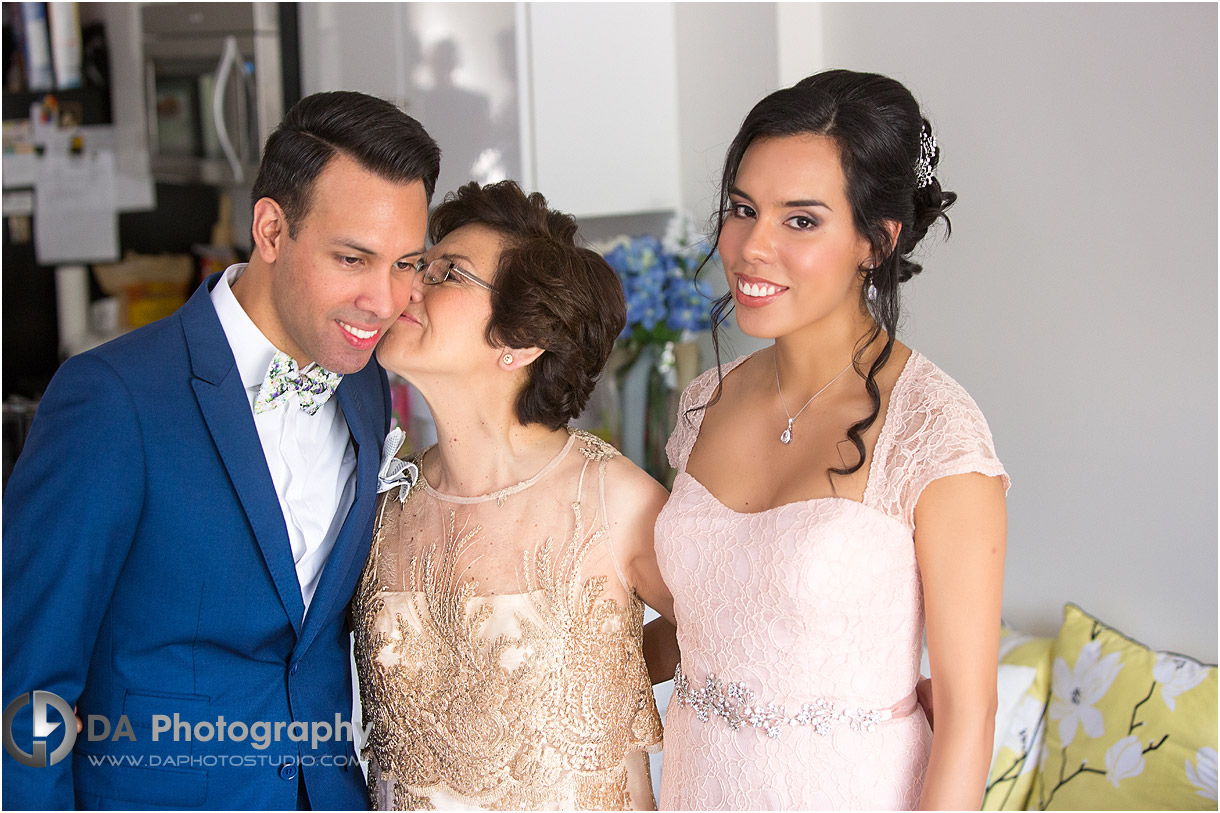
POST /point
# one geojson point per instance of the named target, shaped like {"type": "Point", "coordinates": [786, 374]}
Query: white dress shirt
{"type": "Point", "coordinates": [311, 457]}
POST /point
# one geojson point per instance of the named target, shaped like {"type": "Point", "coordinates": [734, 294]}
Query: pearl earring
{"type": "Point", "coordinates": [508, 358]}
{"type": "Point", "coordinates": [871, 293]}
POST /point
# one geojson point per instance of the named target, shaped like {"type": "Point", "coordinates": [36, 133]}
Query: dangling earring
{"type": "Point", "coordinates": [871, 293]}
{"type": "Point", "coordinates": [508, 359]}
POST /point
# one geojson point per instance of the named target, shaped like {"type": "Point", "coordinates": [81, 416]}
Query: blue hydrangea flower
{"type": "Point", "coordinates": [657, 275]}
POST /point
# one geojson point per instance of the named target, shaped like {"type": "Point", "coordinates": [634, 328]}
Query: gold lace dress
{"type": "Point", "coordinates": [499, 649]}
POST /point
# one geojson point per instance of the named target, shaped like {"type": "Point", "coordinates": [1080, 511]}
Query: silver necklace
{"type": "Point", "coordinates": [785, 437]}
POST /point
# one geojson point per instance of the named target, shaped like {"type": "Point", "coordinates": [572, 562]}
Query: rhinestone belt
{"type": "Point", "coordinates": [736, 705]}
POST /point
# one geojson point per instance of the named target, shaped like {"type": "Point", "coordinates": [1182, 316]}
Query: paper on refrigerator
{"type": "Point", "coordinates": [75, 215]}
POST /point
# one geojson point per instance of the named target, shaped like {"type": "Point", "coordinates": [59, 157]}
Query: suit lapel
{"type": "Point", "coordinates": [226, 410]}
{"type": "Point", "coordinates": [352, 545]}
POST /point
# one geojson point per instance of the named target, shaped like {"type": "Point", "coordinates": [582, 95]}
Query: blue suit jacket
{"type": "Point", "coordinates": [147, 571]}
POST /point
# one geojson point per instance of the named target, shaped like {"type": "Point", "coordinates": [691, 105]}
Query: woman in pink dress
{"type": "Point", "coordinates": [835, 491]}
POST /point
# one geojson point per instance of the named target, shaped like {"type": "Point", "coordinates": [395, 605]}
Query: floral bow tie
{"type": "Point", "coordinates": [313, 387]}
{"type": "Point", "coordinates": [396, 473]}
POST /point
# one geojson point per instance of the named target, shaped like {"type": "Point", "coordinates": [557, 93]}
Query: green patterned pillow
{"type": "Point", "coordinates": [1014, 765]}
{"type": "Point", "coordinates": [1127, 728]}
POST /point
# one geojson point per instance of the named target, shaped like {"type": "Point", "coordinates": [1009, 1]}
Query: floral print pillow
{"type": "Point", "coordinates": [1126, 728]}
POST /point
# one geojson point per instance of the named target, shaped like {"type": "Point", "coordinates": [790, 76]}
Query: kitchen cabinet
{"type": "Point", "coordinates": [605, 105]}
{"type": "Point", "coordinates": [577, 100]}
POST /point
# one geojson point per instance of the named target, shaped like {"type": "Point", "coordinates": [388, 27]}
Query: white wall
{"type": "Point", "coordinates": [719, 79]}
{"type": "Point", "coordinates": [726, 64]}
{"type": "Point", "coordinates": [1076, 300]}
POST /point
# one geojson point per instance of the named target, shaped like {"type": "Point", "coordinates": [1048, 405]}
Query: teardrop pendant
{"type": "Point", "coordinates": [786, 436]}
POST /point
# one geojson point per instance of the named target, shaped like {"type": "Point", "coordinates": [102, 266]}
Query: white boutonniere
{"type": "Point", "coordinates": [395, 473]}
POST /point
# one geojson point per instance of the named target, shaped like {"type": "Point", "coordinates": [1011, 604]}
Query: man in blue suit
{"type": "Point", "coordinates": [186, 524]}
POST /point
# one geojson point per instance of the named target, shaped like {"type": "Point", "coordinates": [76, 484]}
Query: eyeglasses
{"type": "Point", "coordinates": [442, 269]}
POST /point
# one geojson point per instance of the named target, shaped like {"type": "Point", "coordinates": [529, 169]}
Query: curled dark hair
{"type": "Point", "coordinates": [550, 293]}
{"type": "Point", "coordinates": [877, 126]}
{"type": "Point", "coordinates": [371, 131]}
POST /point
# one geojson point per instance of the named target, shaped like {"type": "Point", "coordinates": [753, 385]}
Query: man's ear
{"type": "Point", "coordinates": [269, 230]}
{"type": "Point", "coordinates": [521, 357]}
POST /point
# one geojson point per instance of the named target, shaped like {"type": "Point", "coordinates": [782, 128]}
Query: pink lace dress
{"type": "Point", "coordinates": [801, 626]}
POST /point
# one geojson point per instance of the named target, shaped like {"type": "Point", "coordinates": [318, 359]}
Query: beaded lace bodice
{"type": "Point", "coordinates": [818, 601]}
{"type": "Point", "coordinates": [499, 649]}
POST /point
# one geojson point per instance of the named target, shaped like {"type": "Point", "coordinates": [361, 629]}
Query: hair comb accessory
{"type": "Point", "coordinates": [927, 152]}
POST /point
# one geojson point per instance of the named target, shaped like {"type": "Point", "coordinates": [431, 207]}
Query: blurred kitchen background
{"type": "Point", "coordinates": [127, 178]}
{"type": "Point", "coordinates": [1076, 300]}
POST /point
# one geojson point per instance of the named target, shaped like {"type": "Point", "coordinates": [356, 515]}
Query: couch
{"type": "Point", "coordinates": [1093, 720]}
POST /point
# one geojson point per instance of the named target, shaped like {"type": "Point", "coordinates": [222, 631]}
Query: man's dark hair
{"type": "Point", "coordinates": [550, 293]}
{"type": "Point", "coordinates": [371, 131]}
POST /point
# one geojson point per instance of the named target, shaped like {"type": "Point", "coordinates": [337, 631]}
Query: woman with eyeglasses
{"type": "Point", "coordinates": [498, 622]}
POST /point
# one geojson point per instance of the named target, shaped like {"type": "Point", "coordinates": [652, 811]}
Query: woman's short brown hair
{"type": "Point", "coordinates": [550, 293]}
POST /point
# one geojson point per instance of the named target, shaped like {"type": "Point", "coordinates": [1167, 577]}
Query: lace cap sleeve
{"type": "Point", "coordinates": [686, 428]}
{"type": "Point", "coordinates": [938, 431]}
